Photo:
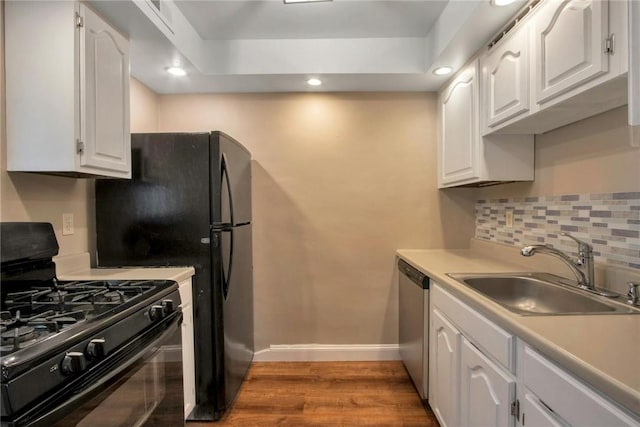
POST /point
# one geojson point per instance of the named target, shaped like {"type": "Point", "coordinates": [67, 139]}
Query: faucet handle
{"type": "Point", "coordinates": [633, 294]}
{"type": "Point", "coordinates": [582, 245]}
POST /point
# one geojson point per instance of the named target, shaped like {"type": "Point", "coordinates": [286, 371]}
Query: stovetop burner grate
{"type": "Point", "coordinates": [32, 315]}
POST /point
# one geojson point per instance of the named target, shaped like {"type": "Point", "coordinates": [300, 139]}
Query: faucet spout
{"type": "Point", "coordinates": [583, 267]}
{"type": "Point", "coordinates": [583, 280]}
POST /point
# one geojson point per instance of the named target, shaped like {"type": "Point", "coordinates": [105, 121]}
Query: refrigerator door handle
{"type": "Point", "coordinates": [225, 177]}
{"type": "Point", "coordinates": [221, 226]}
{"type": "Point", "coordinates": [217, 242]}
{"type": "Point", "coordinates": [227, 280]}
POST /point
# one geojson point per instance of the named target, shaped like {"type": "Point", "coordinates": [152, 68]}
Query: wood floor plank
{"type": "Point", "coordinates": [327, 394]}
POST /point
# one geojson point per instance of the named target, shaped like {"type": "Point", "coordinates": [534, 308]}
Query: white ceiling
{"type": "Point", "coordinates": [267, 46]}
{"type": "Point", "coordinates": [225, 20]}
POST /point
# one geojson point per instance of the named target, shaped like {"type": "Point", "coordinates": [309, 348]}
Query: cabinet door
{"type": "Point", "coordinates": [459, 128]}
{"type": "Point", "coordinates": [104, 95]}
{"type": "Point", "coordinates": [506, 78]}
{"type": "Point", "coordinates": [569, 45]}
{"type": "Point", "coordinates": [486, 391]}
{"type": "Point", "coordinates": [536, 415]}
{"type": "Point", "coordinates": [444, 349]}
{"type": "Point", "coordinates": [188, 364]}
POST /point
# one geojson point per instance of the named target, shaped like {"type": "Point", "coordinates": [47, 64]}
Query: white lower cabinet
{"type": "Point", "coordinates": [486, 391]}
{"type": "Point", "coordinates": [468, 386]}
{"type": "Point", "coordinates": [188, 364]}
{"type": "Point", "coordinates": [481, 375]}
{"type": "Point", "coordinates": [535, 414]}
{"type": "Point", "coordinates": [444, 350]}
{"type": "Point", "coordinates": [565, 396]}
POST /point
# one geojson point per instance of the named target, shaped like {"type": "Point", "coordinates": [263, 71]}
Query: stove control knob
{"type": "Point", "coordinates": [168, 306]}
{"type": "Point", "coordinates": [95, 348]}
{"type": "Point", "coordinates": [156, 312]}
{"type": "Point", "coordinates": [73, 363]}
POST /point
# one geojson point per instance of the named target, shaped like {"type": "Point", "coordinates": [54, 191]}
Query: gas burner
{"type": "Point", "coordinates": [19, 334]}
{"type": "Point", "coordinates": [55, 296]}
{"type": "Point", "coordinates": [5, 319]}
{"type": "Point", "coordinates": [113, 296]}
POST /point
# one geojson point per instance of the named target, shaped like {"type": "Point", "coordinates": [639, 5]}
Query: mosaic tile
{"type": "Point", "coordinates": [610, 221]}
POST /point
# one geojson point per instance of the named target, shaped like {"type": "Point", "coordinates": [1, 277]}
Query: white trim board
{"type": "Point", "coordinates": [327, 353]}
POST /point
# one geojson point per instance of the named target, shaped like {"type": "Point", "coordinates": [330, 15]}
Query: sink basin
{"type": "Point", "coordinates": [540, 294]}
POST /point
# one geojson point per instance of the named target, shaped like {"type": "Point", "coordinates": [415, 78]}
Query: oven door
{"type": "Point", "coordinates": [141, 387]}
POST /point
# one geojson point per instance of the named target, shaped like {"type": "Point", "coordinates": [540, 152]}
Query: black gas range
{"type": "Point", "coordinates": [64, 342]}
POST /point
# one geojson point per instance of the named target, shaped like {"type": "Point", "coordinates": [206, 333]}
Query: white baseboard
{"type": "Point", "coordinates": [327, 353]}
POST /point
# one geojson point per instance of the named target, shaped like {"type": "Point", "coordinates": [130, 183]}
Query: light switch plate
{"type": "Point", "coordinates": [508, 218]}
{"type": "Point", "coordinates": [67, 224]}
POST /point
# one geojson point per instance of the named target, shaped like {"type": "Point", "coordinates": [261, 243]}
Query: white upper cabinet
{"type": "Point", "coordinates": [570, 46]}
{"type": "Point", "coordinates": [459, 128]}
{"type": "Point", "coordinates": [565, 61]}
{"type": "Point", "coordinates": [67, 77]}
{"type": "Point", "coordinates": [505, 74]}
{"type": "Point", "coordinates": [464, 156]}
{"type": "Point", "coordinates": [104, 81]}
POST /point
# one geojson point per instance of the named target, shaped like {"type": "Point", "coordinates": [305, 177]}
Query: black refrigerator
{"type": "Point", "coordinates": [189, 204]}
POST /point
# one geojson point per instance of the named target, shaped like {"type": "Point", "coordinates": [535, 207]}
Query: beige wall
{"type": "Point", "coordinates": [340, 181]}
{"type": "Point", "coordinates": [144, 108]}
{"type": "Point", "coordinates": [594, 155]}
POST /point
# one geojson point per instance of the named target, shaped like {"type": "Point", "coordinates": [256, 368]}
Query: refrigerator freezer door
{"type": "Point", "coordinates": [232, 205]}
{"type": "Point", "coordinates": [159, 216]}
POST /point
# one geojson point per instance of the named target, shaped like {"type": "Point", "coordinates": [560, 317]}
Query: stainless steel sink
{"type": "Point", "coordinates": [538, 294]}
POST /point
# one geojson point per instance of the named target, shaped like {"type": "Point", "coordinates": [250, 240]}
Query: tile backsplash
{"type": "Point", "coordinates": [610, 222]}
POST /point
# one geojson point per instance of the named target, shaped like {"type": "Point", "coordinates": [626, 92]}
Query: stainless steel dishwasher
{"type": "Point", "coordinates": [414, 325]}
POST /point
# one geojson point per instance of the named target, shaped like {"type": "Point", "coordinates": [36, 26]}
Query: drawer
{"type": "Point", "coordinates": [569, 398]}
{"type": "Point", "coordinates": [493, 340]}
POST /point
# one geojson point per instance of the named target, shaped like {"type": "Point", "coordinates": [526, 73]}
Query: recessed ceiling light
{"type": "Point", "coordinates": [304, 1]}
{"type": "Point", "coordinates": [442, 71]}
{"type": "Point", "coordinates": [314, 82]}
{"type": "Point", "coordinates": [501, 2]}
{"type": "Point", "coordinates": [176, 71]}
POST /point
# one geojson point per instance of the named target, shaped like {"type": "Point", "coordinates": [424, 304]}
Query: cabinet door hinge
{"type": "Point", "coordinates": [515, 409]}
{"type": "Point", "coordinates": [79, 20]}
{"type": "Point", "coordinates": [609, 44]}
{"type": "Point", "coordinates": [79, 146]}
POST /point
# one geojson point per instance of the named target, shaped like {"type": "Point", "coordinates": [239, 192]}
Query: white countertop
{"type": "Point", "coordinates": [140, 273]}
{"type": "Point", "coordinates": [603, 350]}
{"type": "Point", "coordinates": [77, 267]}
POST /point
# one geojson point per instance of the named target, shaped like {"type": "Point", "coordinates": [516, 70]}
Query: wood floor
{"type": "Point", "coordinates": [327, 394]}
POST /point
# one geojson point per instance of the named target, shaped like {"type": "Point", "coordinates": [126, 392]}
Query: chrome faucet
{"type": "Point", "coordinates": [582, 267]}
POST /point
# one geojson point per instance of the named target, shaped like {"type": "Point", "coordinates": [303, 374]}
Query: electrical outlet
{"type": "Point", "coordinates": [508, 218]}
{"type": "Point", "coordinates": [67, 224]}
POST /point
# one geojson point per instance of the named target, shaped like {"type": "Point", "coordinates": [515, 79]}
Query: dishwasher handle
{"type": "Point", "coordinates": [416, 276]}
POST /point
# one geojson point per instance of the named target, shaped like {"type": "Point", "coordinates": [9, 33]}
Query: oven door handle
{"type": "Point", "coordinates": [90, 388]}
